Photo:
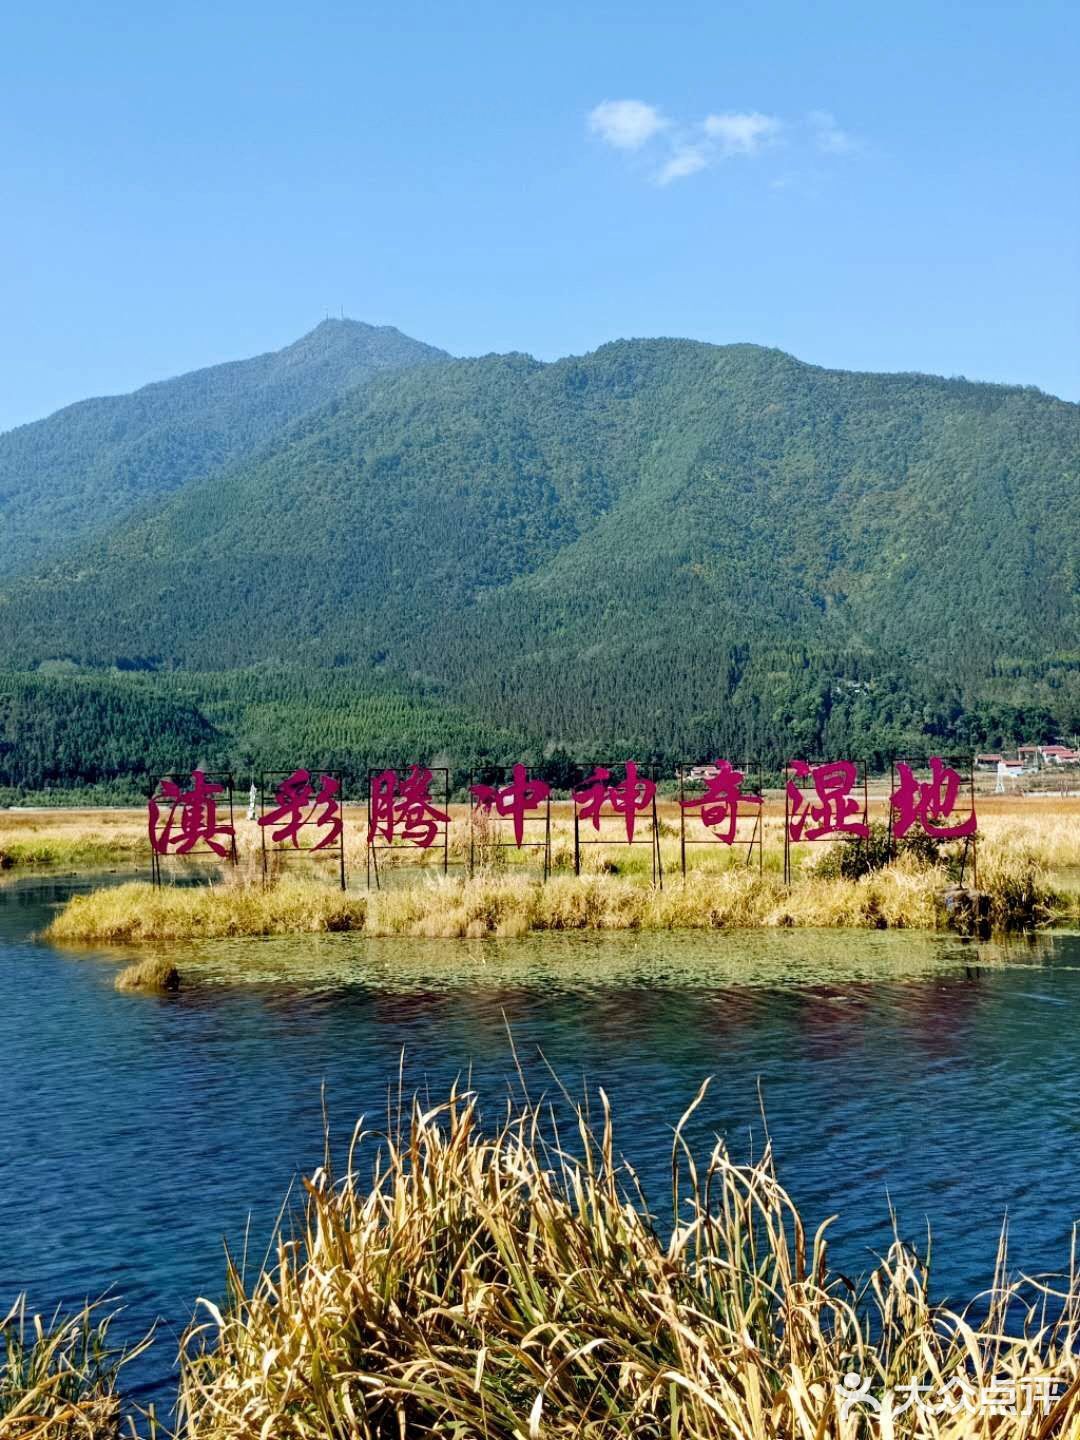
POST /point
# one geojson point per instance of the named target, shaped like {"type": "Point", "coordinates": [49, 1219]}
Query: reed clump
{"type": "Point", "coordinates": [156, 975]}
{"type": "Point", "coordinates": [512, 1284]}
{"type": "Point", "coordinates": [59, 1378]}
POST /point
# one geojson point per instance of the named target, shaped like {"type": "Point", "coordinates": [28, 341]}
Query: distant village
{"type": "Point", "coordinates": [1028, 760]}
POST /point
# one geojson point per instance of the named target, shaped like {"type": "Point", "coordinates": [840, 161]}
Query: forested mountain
{"type": "Point", "coordinates": [89, 466]}
{"type": "Point", "coordinates": [666, 545]}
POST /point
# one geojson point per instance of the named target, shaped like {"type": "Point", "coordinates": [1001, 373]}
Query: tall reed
{"type": "Point", "coordinates": [512, 1285]}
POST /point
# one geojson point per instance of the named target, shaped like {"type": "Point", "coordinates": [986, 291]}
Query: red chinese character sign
{"type": "Point", "coordinates": [300, 815]}
{"type": "Point", "coordinates": [408, 810]}
{"type": "Point", "coordinates": [717, 808]}
{"type": "Point", "coordinates": [620, 809]}
{"type": "Point", "coordinates": [519, 800]}
{"type": "Point", "coordinates": [826, 800]}
{"type": "Point", "coordinates": [191, 819]}
{"type": "Point", "coordinates": [936, 798]}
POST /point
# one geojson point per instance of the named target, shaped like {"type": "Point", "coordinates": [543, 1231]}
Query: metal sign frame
{"type": "Point", "coordinates": [755, 808]}
{"type": "Point", "coordinates": [542, 817]}
{"type": "Point", "coordinates": [374, 849]}
{"type": "Point", "coordinates": [645, 772]}
{"type": "Point", "coordinates": [224, 778]}
{"type": "Point", "coordinates": [268, 782]}
{"type": "Point", "coordinates": [964, 766]}
{"type": "Point", "coordinates": [833, 837]}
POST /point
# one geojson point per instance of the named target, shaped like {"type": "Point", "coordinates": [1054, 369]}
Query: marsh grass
{"type": "Point", "coordinates": [68, 851]}
{"type": "Point", "coordinates": [500, 903]}
{"type": "Point", "coordinates": [137, 912]}
{"type": "Point", "coordinates": [511, 1284]}
{"type": "Point", "coordinates": [58, 1378]}
{"type": "Point", "coordinates": [71, 838]}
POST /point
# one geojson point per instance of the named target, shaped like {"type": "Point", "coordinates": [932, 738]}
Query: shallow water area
{"type": "Point", "coordinates": [138, 1131]}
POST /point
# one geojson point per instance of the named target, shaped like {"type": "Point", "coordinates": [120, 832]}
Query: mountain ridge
{"type": "Point", "coordinates": [90, 464]}
{"type": "Point", "coordinates": [661, 540]}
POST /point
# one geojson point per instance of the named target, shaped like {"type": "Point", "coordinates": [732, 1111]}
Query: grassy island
{"type": "Point", "coordinates": [1015, 874]}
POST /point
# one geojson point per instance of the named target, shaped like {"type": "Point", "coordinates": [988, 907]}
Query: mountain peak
{"type": "Point", "coordinates": [86, 468]}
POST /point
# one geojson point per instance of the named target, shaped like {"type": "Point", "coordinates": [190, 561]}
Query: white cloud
{"type": "Point", "coordinates": [625, 124]}
{"type": "Point", "coordinates": [685, 160]}
{"type": "Point", "coordinates": [674, 150]}
{"type": "Point", "coordinates": [828, 136]}
{"type": "Point", "coordinates": [741, 134]}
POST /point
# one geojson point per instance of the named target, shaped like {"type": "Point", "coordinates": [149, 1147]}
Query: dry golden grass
{"type": "Point", "coordinates": [511, 1286]}
{"type": "Point", "coordinates": [58, 1378]}
{"type": "Point", "coordinates": [72, 838]}
{"type": "Point", "coordinates": [1049, 824]}
{"type": "Point", "coordinates": [137, 912]}
{"type": "Point", "coordinates": [902, 896]}
{"type": "Point", "coordinates": [511, 1283]}
{"type": "Point", "coordinates": [1025, 845]}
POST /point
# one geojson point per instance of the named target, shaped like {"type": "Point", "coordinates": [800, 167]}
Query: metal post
{"type": "Point", "coordinates": [262, 827]}
{"type": "Point", "coordinates": [472, 810]}
{"type": "Point", "coordinates": [232, 826]}
{"type": "Point", "coordinates": [682, 819]}
{"type": "Point", "coordinates": [658, 863]}
{"type": "Point", "coordinates": [760, 822]}
{"type": "Point", "coordinates": [371, 853]}
{"type": "Point", "coordinates": [155, 858]}
{"type": "Point", "coordinates": [341, 804]}
{"type": "Point", "coordinates": [446, 826]}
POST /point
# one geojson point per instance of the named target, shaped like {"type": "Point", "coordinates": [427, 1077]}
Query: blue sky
{"type": "Point", "coordinates": [867, 186]}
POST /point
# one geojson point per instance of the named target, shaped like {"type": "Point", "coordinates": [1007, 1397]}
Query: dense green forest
{"type": "Point", "coordinates": [103, 738]}
{"type": "Point", "coordinates": [92, 465]}
{"type": "Point", "coordinates": [108, 736]}
{"type": "Point", "coordinates": [665, 549]}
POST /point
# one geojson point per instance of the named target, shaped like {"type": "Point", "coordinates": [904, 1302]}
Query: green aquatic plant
{"type": "Point", "coordinates": [59, 1378]}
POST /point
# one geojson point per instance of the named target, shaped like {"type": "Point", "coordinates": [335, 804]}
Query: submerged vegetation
{"type": "Point", "coordinates": [512, 1283]}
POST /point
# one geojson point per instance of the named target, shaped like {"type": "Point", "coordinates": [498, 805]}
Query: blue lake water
{"type": "Point", "coordinates": [138, 1132]}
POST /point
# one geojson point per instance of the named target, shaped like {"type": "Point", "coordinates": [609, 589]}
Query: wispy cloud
{"type": "Point", "coordinates": [684, 160]}
{"type": "Point", "coordinates": [829, 137]}
{"type": "Point", "coordinates": [674, 150]}
{"type": "Point", "coordinates": [626, 124]}
{"type": "Point", "coordinates": [716, 138]}
{"type": "Point", "coordinates": [742, 134]}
